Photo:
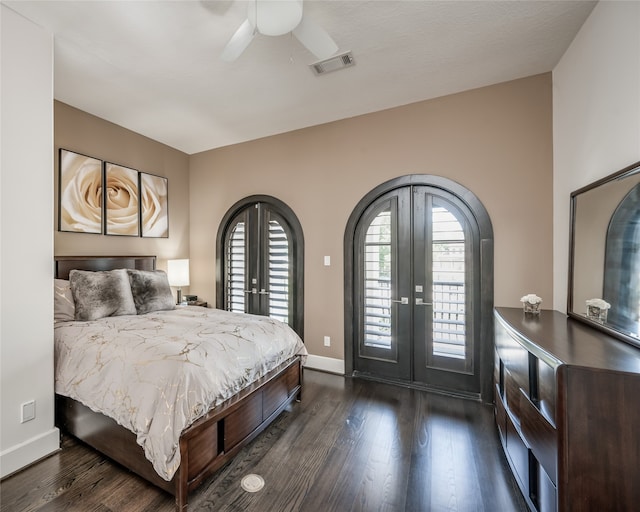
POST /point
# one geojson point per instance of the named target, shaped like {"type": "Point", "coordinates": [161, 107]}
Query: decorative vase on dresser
{"type": "Point", "coordinates": [567, 407]}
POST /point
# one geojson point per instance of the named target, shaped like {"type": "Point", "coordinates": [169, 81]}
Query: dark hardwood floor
{"type": "Point", "coordinates": [350, 445]}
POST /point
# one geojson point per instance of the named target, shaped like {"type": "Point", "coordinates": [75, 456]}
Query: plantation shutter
{"type": "Point", "coordinates": [278, 270]}
{"type": "Point", "coordinates": [236, 268]}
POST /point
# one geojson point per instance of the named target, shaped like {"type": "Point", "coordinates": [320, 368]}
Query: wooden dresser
{"type": "Point", "coordinates": [567, 406]}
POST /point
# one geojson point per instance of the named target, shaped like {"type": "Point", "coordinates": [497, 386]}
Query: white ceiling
{"type": "Point", "coordinates": [154, 67]}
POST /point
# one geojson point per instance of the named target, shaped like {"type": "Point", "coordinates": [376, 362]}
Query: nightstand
{"type": "Point", "coordinates": [197, 303]}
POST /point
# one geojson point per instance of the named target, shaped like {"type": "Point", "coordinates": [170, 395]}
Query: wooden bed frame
{"type": "Point", "coordinates": [205, 446]}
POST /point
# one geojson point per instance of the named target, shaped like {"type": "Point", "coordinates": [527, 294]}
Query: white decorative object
{"type": "Point", "coordinates": [531, 303]}
{"type": "Point", "coordinates": [597, 310]}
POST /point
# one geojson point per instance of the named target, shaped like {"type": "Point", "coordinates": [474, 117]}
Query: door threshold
{"type": "Point", "coordinates": [417, 385]}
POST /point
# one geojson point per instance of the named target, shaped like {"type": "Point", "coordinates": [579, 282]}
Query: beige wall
{"type": "Point", "coordinates": [496, 141]}
{"type": "Point", "coordinates": [78, 131]}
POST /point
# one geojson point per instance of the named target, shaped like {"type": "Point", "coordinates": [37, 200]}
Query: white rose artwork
{"type": "Point", "coordinates": [122, 202]}
{"type": "Point", "coordinates": [153, 204]}
{"type": "Point", "coordinates": [101, 197]}
{"type": "Point", "coordinates": [80, 193]}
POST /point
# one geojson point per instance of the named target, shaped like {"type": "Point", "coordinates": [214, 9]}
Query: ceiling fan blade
{"type": "Point", "coordinates": [238, 42]}
{"type": "Point", "coordinates": [315, 38]}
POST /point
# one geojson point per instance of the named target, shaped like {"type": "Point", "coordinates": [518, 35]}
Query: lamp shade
{"type": "Point", "coordinates": [178, 272]}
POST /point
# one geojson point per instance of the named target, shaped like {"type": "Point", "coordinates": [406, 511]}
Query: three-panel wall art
{"type": "Point", "coordinates": [102, 197]}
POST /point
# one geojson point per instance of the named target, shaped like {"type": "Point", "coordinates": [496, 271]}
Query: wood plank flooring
{"type": "Point", "coordinates": [351, 445]}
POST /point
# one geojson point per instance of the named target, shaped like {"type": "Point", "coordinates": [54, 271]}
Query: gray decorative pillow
{"type": "Point", "coordinates": [64, 309]}
{"type": "Point", "coordinates": [101, 294]}
{"type": "Point", "coordinates": [151, 291]}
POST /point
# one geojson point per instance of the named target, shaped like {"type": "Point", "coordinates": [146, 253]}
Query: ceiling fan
{"type": "Point", "coordinates": [276, 18]}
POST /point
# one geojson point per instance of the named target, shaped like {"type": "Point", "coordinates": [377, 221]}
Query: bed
{"type": "Point", "coordinates": [203, 438]}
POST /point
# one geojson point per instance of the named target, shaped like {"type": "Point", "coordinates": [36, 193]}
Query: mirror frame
{"type": "Point", "coordinates": [627, 171]}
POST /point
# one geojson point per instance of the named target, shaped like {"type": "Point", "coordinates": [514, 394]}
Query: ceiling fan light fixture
{"type": "Point", "coordinates": [275, 17]}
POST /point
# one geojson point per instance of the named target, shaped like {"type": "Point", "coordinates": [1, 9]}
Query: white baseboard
{"type": "Point", "coordinates": [325, 364]}
{"type": "Point", "coordinates": [28, 452]}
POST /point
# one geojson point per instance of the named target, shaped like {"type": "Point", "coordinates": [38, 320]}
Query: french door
{"type": "Point", "coordinates": [261, 264]}
{"type": "Point", "coordinates": [416, 287]}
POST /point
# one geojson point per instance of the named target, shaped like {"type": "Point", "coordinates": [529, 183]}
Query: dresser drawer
{"type": "Point", "coordinates": [515, 358]}
{"type": "Point", "coordinates": [501, 415]}
{"type": "Point", "coordinates": [540, 435]}
{"type": "Point", "coordinates": [546, 390]}
{"type": "Point", "coordinates": [519, 457]}
{"type": "Point", "coordinates": [512, 396]}
{"type": "Point", "coordinates": [546, 499]}
{"type": "Point", "coordinates": [498, 373]}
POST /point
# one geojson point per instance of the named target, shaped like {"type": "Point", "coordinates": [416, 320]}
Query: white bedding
{"type": "Point", "coordinates": [157, 373]}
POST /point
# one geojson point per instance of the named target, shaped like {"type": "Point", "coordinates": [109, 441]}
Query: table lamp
{"type": "Point", "coordinates": [178, 274]}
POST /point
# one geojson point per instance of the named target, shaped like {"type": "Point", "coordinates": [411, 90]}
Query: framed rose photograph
{"type": "Point", "coordinates": [80, 193]}
{"type": "Point", "coordinates": [154, 206]}
{"type": "Point", "coordinates": [121, 200]}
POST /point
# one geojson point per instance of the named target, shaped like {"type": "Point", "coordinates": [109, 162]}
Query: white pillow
{"type": "Point", "coordinates": [64, 309]}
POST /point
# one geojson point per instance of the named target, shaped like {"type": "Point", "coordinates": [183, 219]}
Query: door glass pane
{"type": "Point", "coordinates": [236, 269]}
{"type": "Point", "coordinates": [377, 282]}
{"type": "Point", "coordinates": [278, 272]}
{"type": "Point", "coordinates": [448, 253]}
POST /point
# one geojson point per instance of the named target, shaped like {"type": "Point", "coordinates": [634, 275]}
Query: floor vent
{"type": "Point", "coordinates": [344, 60]}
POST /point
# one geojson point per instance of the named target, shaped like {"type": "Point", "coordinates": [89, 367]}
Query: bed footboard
{"type": "Point", "coordinates": [205, 446]}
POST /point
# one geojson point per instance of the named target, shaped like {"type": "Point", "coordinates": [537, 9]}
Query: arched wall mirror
{"type": "Point", "coordinates": [604, 255]}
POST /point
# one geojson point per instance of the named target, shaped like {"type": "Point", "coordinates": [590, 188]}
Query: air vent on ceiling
{"type": "Point", "coordinates": [344, 60]}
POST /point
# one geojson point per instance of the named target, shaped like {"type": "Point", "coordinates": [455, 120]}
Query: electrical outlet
{"type": "Point", "coordinates": [28, 411]}
{"type": "Point", "coordinates": [327, 341]}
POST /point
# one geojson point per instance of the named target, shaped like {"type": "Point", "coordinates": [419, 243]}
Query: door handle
{"type": "Point", "coordinates": [419, 302]}
{"type": "Point", "coordinates": [253, 290]}
{"type": "Point", "coordinates": [403, 300]}
{"type": "Point", "coordinates": [263, 292]}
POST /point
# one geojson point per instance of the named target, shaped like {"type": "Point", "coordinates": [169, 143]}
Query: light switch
{"type": "Point", "coordinates": [327, 261]}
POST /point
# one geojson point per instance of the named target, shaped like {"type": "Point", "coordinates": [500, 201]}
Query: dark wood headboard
{"type": "Point", "coordinates": [64, 264]}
